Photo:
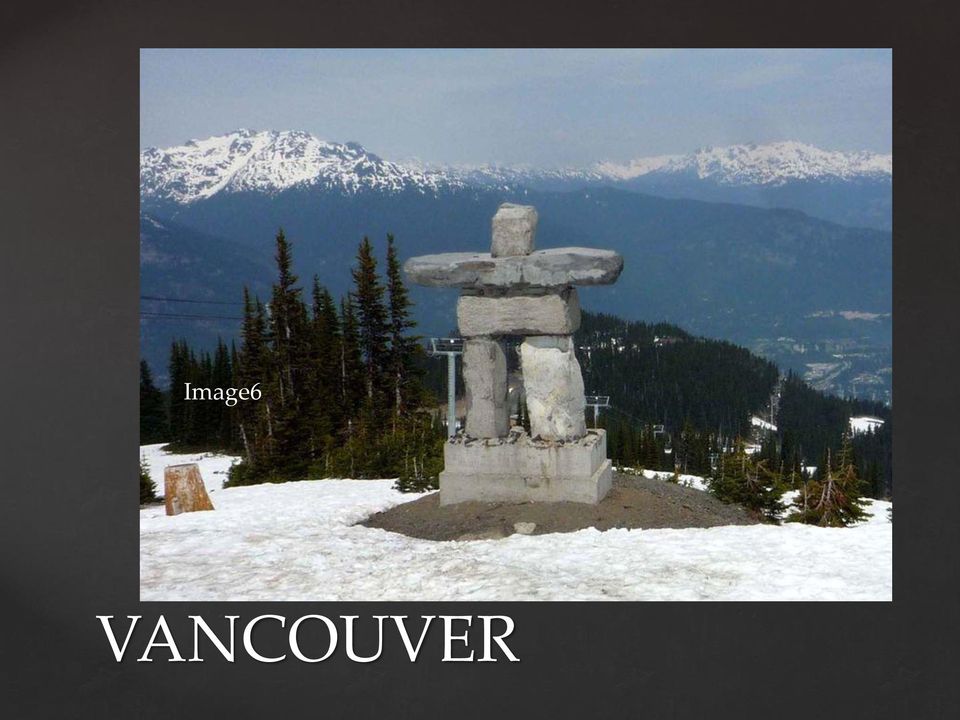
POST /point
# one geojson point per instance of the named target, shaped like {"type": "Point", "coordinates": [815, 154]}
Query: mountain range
{"type": "Point", "coordinates": [701, 248]}
{"type": "Point", "coordinates": [784, 174]}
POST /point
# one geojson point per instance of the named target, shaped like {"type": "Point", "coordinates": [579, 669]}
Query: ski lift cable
{"type": "Point", "coordinates": [158, 298]}
{"type": "Point", "coordinates": [186, 316]}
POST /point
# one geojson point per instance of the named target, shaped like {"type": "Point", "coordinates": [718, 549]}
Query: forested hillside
{"type": "Point", "coordinates": [704, 392]}
{"type": "Point", "coordinates": [745, 274]}
{"type": "Point", "coordinates": [661, 374]}
{"type": "Point", "coordinates": [344, 388]}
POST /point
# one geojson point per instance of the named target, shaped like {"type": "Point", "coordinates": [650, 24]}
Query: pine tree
{"type": "Point", "coordinates": [148, 491]}
{"type": "Point", "coordinates": [763, 491]}
{"type": "Point", "coordinates": [179, 409]}
{"type": "Point", "coordinates": [203, 418]}
{"type": "Point", "coordinates": [222, 377]}
{"type": "Point", "coordinates": [404, 374]}
{"type": "Point", "coordinates": [153, 413]}
{"type": "Point", "coordinates": [287, 326]}
{"type": "Point", "coordinates": [833, 499]}
{"type": "Point", "coordinates": [372, 324]}
{"type": "Point", "coordinates": [252, 370]}
{"type": "Point", "coordinates": [325, 411]}
{"type": "Point", "coordinates": [740, 479]}
{"type": "Point", "coordinates": [351, 365]}
{"type": "Point", "coordinates": [291, 374]}
{"type": "Point", "coordinates": [234, 412]}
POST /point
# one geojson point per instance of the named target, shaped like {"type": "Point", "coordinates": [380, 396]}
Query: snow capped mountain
{"type": "Point", "coordinates": [507, 176]}
{"type": "Point", "coordinates": [773, 164]}
{"type": "Point", "coordinates": [639, 166]}
{"type": "Point", "coordinates": [270, 162]}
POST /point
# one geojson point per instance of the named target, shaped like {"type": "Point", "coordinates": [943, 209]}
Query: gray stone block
{"type": "Point", "coordinates": [554, 387]}
{"type": "Point", "coordinates": [553, 268]}
{"type": "Point", "coordinates": [556, 313]}
{"type": "Point", "coordinates": [514, 230]}
{"type": "Point", "coordinates": [485, 378]}
{"type": "Point", "coordinates": [520, 469]}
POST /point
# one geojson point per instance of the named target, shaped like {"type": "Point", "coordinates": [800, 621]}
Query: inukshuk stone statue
{"type": "Point", "coordinates": [514, 290]}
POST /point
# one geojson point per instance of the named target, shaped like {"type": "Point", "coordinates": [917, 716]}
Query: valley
{"type": "Point", "coordinates": [812, 295]}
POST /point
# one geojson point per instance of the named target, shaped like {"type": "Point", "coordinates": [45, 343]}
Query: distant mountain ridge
{"type": "Point", "coordinates": [269, 162]}
{"type": "Point", "coordinates": [792, 268]}
{"type": "Point", "coordinates": [772, 164]}
{"type": "Point", "coordinates": [782, 174]}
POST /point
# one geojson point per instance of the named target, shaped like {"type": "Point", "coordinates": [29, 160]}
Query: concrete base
{"type": "Point", "coordinates": [519, 469]}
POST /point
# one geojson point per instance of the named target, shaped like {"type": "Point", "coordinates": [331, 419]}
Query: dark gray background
{"type": "Point", "coordinates": [68, 138]}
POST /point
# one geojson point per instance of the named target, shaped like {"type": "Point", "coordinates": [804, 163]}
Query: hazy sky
{"type": "Point", "coordinates": [542, 107]}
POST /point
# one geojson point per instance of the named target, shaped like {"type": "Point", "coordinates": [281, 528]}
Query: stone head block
{"type": "Point", "coordinates": [514, 230]}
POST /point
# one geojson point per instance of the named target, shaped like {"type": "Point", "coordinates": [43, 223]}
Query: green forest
{"type": "Point", "coordinates": [679, 400]}
{"type": "Point", "coordinates": [336, 386]}
{"type": "Point", "coordinates": [315, 387]}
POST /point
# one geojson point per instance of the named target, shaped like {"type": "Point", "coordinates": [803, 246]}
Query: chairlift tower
{"type": "Point", "coordinates": [451, 347]}
{"type": "Point", "coordinates": [597, 402]}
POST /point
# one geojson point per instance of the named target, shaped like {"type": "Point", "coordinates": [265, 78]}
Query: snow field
{"type": "Point", "coordinates": [299, 541]}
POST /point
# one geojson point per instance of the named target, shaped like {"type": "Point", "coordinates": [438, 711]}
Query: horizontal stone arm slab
{"type": "Point", "coordinates": [556, 267]}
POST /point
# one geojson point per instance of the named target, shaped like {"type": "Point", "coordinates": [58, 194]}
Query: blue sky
{"type": "Point", "coordinates": [538, 107]}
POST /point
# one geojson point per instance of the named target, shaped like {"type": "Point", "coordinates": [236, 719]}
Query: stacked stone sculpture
{"type": "Point", "coordinates": [514, 290]}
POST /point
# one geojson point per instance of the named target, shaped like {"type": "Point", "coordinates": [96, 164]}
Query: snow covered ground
{"type": "Point", "coordinates": [763, 424]}
{"type": "Point", "coordinates": [865, 423]}
{"type": "Point", "coordinates": [298, 541]}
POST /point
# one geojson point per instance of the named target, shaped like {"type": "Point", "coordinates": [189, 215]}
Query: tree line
{"type": "Point", "coordinates": [339, 384]}
{"type": "Point", "coordinates": [346, 390]}
{"type": "Point", "coordinates": [679, 400]}
{"type": "Point", "coordinates": [831, 497]}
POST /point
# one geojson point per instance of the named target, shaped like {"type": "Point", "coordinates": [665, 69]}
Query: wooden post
{"type": "Point", "coordinates": [183, 489]}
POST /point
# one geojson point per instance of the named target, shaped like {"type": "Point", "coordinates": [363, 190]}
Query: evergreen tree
{"type": "Point", "coordinates": [221, 428]}
{"type": "Point", "coordinates": [291, 375]}
{"type": "Point", "coordinates": [204, 414]}
{"type": "Point", "coordinates": [372, 325]}
{"type": "Point", "coordinates": [251, 370]}
{"type": "Point", "coordinates": [834, 499]}
{"type": "Point", "coordinates": [403, 347]}
{"type": "Point", "coordinates": [287, 328]}
{"type": "Point", "coordinates": [153, 413]}
{"type": "Point", "coordinates": [147, 487]}
{"type": "Point", "coordinates": [325, 408]}
{"type": "Point", "coordinates": [180, 371]}
{"type": "Point", "coordinates": [740, 479]}
{"type": "Point", "coordinates": [351, 364]}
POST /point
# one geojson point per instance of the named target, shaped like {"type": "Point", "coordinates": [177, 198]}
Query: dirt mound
{"type": "Point", "coordinates": [633, 502]}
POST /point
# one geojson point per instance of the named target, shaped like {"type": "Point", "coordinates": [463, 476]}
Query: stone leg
{"type": "Point", "coordinates": [485, 377]}
{"type": "Point", "coordinates": [554, 387]}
